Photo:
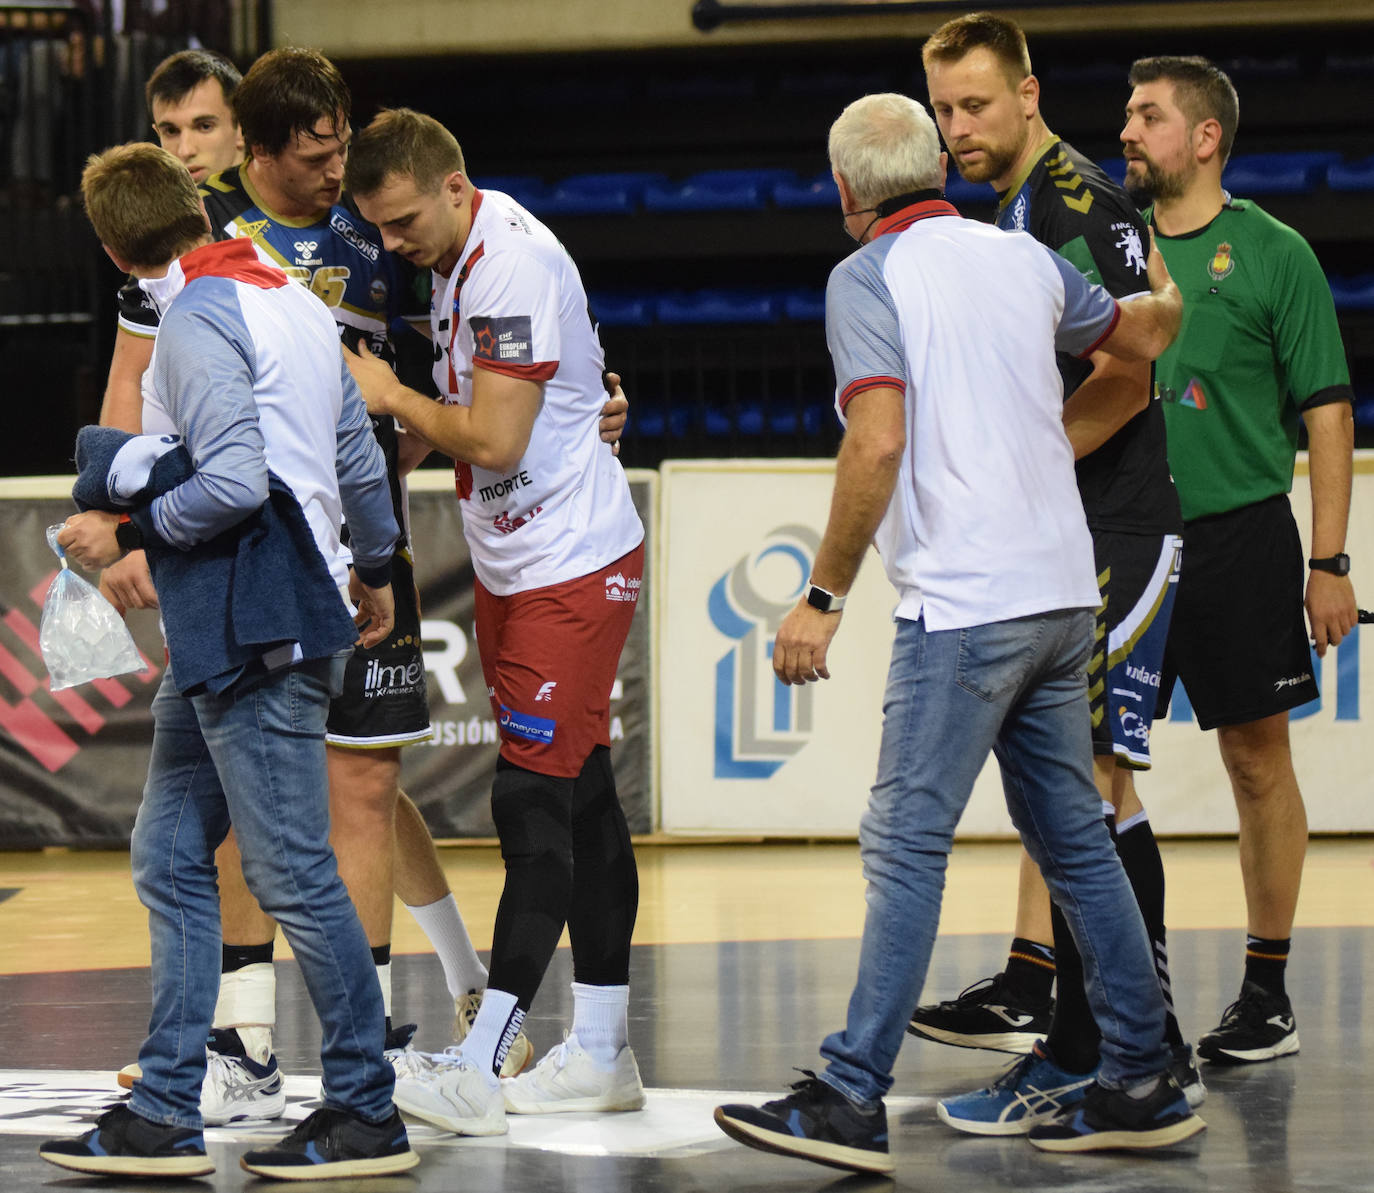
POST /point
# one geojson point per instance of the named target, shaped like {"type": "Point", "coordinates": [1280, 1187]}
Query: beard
{"type": "Point", "coordinates": [997, 161]}
{"type": "Point", "coordinates": [1147, 182]}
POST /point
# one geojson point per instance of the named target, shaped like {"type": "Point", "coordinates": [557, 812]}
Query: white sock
{"type": "Point", "coordinates": [384, 977]}
{"type": "Point", "coordinates": [248, 1002]}
{"type": "Point", "coordinates": [599, 1020]}
{"type": "Point", "coordinates": [496, 1026]}
{"type": "Point", "coordinates": [442, 922]}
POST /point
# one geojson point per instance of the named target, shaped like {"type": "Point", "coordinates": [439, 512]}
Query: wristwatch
{"type": "Point", "coordinates": [823, 599]}
{"type": "Point", "coordinates": [1337, 565]}
{"type": "Point", "coordinates": [127, 534]}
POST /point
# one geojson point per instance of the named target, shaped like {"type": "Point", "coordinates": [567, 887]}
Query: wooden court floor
{"type": "Point", "coordinates": [744, 959]}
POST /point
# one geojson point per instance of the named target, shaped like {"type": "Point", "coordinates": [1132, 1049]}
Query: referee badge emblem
{"type": "Point", "coordinates": [1221, 264]}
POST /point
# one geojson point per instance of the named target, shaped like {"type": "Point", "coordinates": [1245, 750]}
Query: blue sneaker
{"type": "Point", "coordinates": [333, 1143]}
{"type": "Point", "coordinates": [1157, 1115]}
{"type": "Point", "coordinates": [127, 1144]}
{"type": "Point", "coordinates": [1033, 1090]}
{"type": "Point", "coordinates": [814, 1122]}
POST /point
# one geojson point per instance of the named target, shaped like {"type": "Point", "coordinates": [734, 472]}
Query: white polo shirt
{"type": "Point", "coordinates": [985, 523]}
{"type": "Point", "coordinates": [514, 304]}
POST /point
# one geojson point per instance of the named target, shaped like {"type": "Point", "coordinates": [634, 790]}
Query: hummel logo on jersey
{"type": "Point", "coordinates": [1014, 1018]}
{"type": "Point", "coordinates": [545, 691]}
{"type": "Point", "coordinates": [306, 247]}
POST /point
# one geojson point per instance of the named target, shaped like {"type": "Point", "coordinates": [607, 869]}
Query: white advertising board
{"type": "Point", "coordinates": [741, 754]}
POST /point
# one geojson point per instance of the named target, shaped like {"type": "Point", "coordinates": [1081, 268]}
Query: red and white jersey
{"type": "Point", "coordinates": [514, 304]}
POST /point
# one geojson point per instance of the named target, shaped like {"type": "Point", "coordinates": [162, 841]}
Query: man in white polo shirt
{"type": "Point", "coordinates": [956, 466]}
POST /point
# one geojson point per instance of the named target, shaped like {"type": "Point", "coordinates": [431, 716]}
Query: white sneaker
{"type": "Point", "coordinates": [237, 1086]}
{"type": "Point", "coordinates": [465, 1009]}
{"type": "Point", "coordinates": [453, 1094]}
{"type": "Point", "coordinates": [569, 1080]}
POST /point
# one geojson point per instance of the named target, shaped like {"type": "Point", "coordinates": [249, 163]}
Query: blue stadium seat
{"type": "Point", "coordinates": [1276, 173]}
{"type": "Point", "coordinates": [1351, 176]}
{"type": "Point", "coordinates": [788, 420]}
{"type": "Point", "coordinates": [804, 305]}
{"type": "Point", "coordinates": [819, 191]}
{"type": "Point", "coordinates": [1364, 408]}
{"type": "Point", "coordinates": [716, 190]}
{"type": "Point", "coordinates": [619, 193]}
{"type": "Point", "coordinates": [747, 418]}
{"type": "Point", "coordinates": [525, 189]}
{"type": "Point", "coordinates": [653, 420]}
{"type": "Point", "coordinates": [962, 193]}
{"type": "Point", "coordinates": [622, 309]}
{"type": "Point", "coordinates": [719, 306]}
{"type": "Point", "coordinates": [1354, 293]}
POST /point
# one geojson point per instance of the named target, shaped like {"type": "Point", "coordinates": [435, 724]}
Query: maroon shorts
{"type": "Point", "coordinates": [549, 658]}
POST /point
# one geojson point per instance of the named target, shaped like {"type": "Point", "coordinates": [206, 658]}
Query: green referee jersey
{"type": "Point", "coordinates": [1258, 345]}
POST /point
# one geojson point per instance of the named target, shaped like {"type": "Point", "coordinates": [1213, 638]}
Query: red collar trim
{"type": "Point", "coordinates": [236, 260]}
{"type": "Point", "coordinates": [899, 221]}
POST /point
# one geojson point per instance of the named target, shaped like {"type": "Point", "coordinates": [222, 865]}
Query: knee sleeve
{"type": "Point", "coordinates": [533, 821]}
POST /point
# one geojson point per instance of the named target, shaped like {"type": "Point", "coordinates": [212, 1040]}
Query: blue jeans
{"type": "Point", "coordinates": [1017, 688]}
{"type": "Point", "coordinates": [254, 756]}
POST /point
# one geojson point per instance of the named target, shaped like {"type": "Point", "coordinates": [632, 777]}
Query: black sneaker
{"type": "Point", "coordinates": [333, 1143]}
{"type": "Point", "coordinates": [1259, 1025]}
{"type": "Point", "coordinates": [815, 1122]}
{"type": "Point", "coordinates": [986, 1015]}
{"type": "Point", "coordinates": [1183, 1069]}
{"type": "Point", "coordinates": [1108, 1119]}
{"type": "Point", "coordinates": [126, 1144]}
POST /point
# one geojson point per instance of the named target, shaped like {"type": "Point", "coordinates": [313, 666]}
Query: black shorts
{"type": "Point", "coordinates": [1137, 576]}
{"type": "Point", "coordinates": [383, 702]}
{"type": "Point", "coordinates": [1239, 637]}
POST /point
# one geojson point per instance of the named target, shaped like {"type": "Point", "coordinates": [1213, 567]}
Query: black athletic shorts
{"type": "Point", "coordinates": [383, 702]}
{"type": "Point", "coordinates": [1137, 577]}
{"type": "Point", "coordinates": [1239, 635]}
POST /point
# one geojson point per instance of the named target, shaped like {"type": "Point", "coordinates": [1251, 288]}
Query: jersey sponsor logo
{"type": "Point", "coordinates": [1132, 725]}
{"type": "Point", "coordinates": [1292, 681]}
{"type": "Point", "coordinates": [252, 229]}
{"type": "Point", "coordinates": [505, 524]}
{"type": "Point", "coordinates": [397, 679]}
{"type": "Point", "coordinates": [1143, 675]}
{"type": "Point", "coordinates": [522, 724]}
{"type": "Point", "coordinates": [1131, 244]}
{"type": "Point", "coordinates": [1020, 211]}
{"type": "Point", "coordinates": [503, 488]}
{"type": "Point", "coordinates": [1192, 396]}
{"type": "Point", "coordinates": [545, 691]}
{"type": "Point", "coordinates": [377, 292]}
{"type": "Point", "coordinates": [345, 230]}
{"type": "Point", "coordinates": [506, 340]}
{"type": "Point", "coordinates": [1221, 265]}
{"type": "Point", "coordinates": [620, 589]}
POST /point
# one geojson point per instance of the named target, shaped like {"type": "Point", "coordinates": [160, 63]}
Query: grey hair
{"type": "Point", "coordinates": [885, 145]}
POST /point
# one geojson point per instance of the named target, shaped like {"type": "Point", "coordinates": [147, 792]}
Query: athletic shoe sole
{"type": "Point", "coordinates": [378, 1166]}
{"type": "Point", "coordinates": [519, 1057]}
{"type": "Point", "coordinates": [1247, 1056]}
{"type": "Point", "coordinates": [1102, 1141]}
{"type": "Point", "coordinates": [615, 1101]}
{"type": "Point", "coordinates": [1020, 1042]}
{"type": "Point", "coordinates": [135, 1166]}
{"type": "Point", "coordinates": [974, 1126]}
{"type": "Point", "coordinates": [491, 1124]}
{"type": "Point", "coordinates": [128, 1075]}
{"type": "Point", "coordinates": [833, 1155]}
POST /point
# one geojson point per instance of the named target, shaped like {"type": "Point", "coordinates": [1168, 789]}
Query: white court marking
{"type": "Point", "coordinates": [57, 1102]}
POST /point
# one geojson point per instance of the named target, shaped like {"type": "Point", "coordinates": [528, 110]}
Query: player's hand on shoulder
{"type": "Point", "coordinates": [373, 375]}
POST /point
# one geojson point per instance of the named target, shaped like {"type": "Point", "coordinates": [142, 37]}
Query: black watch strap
{"type": "Point", "coordinates": [127, 534]}
{"type": "Point", "coordinates": [1338, 565]}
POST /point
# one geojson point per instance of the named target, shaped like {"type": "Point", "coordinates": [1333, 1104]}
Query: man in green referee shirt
{"type": "Point", "coordinates": [1259, 350]}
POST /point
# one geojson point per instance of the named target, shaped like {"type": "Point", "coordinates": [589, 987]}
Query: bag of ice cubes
{"type": "Point", "coordinates": [81, 635]}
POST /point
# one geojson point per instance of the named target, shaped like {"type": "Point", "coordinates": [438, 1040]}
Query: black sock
{"type": "Point", "coordinates": [1073, 1037]}
{"type": "Point", "coordinates": [1139, 853]}
{"type": "Point", "coordinates": [234, 957]}
{"type": "Point", "coordinates": [1030, 971]}
{"type": "Point", "coordinates": [1265, 961]}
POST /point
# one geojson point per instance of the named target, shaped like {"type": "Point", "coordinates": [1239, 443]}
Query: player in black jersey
{"type": "Point", "coordinates": [293, 111]}
{"type": "Point", "coordinates": [986, 103]}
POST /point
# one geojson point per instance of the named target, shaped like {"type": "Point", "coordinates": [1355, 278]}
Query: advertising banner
{"type": "Point", "coordinates": [72, 763]}
{"type": "Point", "coordinates": [744, 755]}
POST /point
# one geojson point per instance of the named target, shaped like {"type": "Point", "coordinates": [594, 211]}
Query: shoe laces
{"type": "Point", "coordinates": [467, 1008]}
{"type": "Point", "coordinates": [977, 994]}
{"type": "Point", "coordinates": [228, 1070]}
{"type": "Point", "coordinates": [1011, 1076]}
{"type": "Point", "coordinates": [314, 1125]}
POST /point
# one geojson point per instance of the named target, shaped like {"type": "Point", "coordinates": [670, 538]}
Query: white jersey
{"type": "Point", "coordinates": [514, 304]}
